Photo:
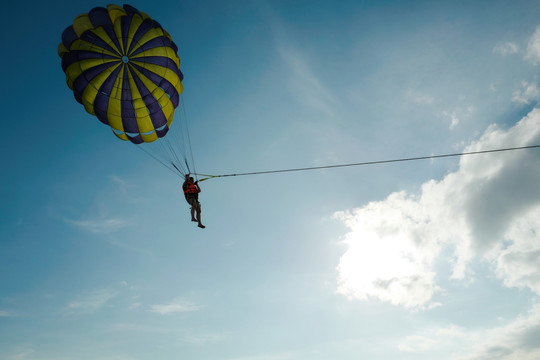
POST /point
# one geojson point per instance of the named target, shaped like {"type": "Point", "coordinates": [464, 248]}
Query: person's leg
{"type": "Point", "coordinates": [198, 207]}
{"type": "Point", "coordinates": [193, 203]}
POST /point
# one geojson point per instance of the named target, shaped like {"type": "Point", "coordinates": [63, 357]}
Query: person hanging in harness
{"type": "Point", "coordinates": [191, 192]}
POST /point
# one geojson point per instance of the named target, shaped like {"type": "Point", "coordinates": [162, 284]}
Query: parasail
{"type": "Point", "coordinates": [125, 69]}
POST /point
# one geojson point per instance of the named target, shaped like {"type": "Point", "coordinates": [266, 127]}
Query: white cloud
{"type": "Point", "coordinates": [506, 48]}
{"type": "Point", "coordinates": [382, 259]}
{"type": "Point", "coordinates": [517, 263]}
{"type": "Point", "coordinates": [176, 306]}
{"type": "Point", "coordinates": [488, 208]}
{"type": "Point", "coordinates": [454, 119]}
{"type": "Point", "coordinates": [456, 116]}
{"type": "Point", "coordinates": [528, 93]}
{"type": "Point", "coordinates": [532, 53]}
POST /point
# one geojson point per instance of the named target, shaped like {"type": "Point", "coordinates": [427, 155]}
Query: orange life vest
{"type": "Point", "coordinates": [191, 189]}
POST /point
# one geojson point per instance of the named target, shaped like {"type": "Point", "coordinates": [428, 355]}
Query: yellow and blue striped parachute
{"type": "Point", "coordinates": [124, 68]}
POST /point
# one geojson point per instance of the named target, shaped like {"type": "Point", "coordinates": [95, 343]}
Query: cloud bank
{"type": "Point", "coordinates": [517, 339]}
{"type": "Point", "coordinates": [489, 208]}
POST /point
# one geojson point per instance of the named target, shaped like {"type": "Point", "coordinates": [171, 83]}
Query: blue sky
{"type": "Point", "coordinates": [419, 260]}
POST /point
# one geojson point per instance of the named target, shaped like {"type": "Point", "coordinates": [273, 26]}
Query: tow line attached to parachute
{"type": "Point", "coordinates": [125, 69]}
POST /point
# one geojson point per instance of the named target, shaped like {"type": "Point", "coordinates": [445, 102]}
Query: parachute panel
{"type": "Point", "coordinates": [81, 24]}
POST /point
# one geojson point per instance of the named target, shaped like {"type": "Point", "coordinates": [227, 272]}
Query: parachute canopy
{"type": "Point", "coordinates": [124, 68]}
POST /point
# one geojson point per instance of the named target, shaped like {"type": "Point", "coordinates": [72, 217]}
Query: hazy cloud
{"type": "Point", "coordinates": [518, 339]}
{"type": "Point", "coordinates": [90, 302]}
{"type": "Point", "coordinates": [452, 116]}
{"type": "Point", "coordinates": [203, 339]}
{"type": "Point", "coordinates": [175, 306]}
{"type": "Point", "coordinates": [518, 259]}
{"type": "Point", "coordinates": [456, 116]}
{"type": "Point", "coordinates": [305, 85]}
{"type": "Point", "coordinates": [416, 343]}
{"type": "Point", "coordinates": [7, 313]}
{"type": "Point", "coordinates": [528, 93]}
{"type": "Point", "coordinates": [116, 179]}
{"type": "Point", "coordinates": [532, 53]}
{"type": "Point", "coordinates": [506, 48]}
{"type": "Point", "coordinates": [280, 356]}
{"type": "Point", "coordinates": [99, 226]}
{"type": "Point", "coordinates": [488, 208]}
{"type": "Point", "coordinates": [21, 351]}
{"type": "Point", "coordinates": [420, 97]}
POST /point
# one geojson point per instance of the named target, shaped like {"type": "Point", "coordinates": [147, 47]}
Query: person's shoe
{"type": "Point", "coordinates": [202, 226]}
{"type": "Point", "coordinates": [194, 220]}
